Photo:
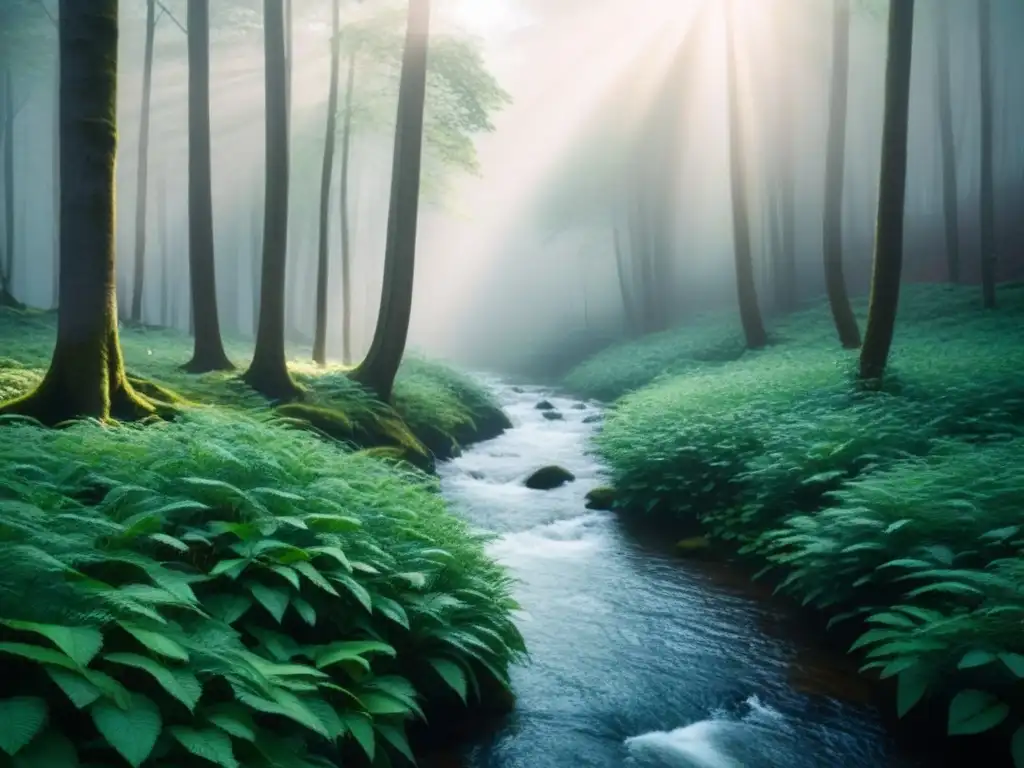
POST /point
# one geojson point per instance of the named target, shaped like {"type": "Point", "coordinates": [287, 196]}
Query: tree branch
{"type": "Point", "coordinates": [166, 11]}
{"type": "Point", "coordinates": [46, 10]}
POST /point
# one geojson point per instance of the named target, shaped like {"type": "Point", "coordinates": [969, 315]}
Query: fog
{"type": "Point", "coordinates": [516, 263]}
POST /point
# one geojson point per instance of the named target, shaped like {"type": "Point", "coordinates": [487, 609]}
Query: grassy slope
{"type": "Point", "coordinates": [901, 508]}
{"type": "Point", "coordinates": [232, 588]}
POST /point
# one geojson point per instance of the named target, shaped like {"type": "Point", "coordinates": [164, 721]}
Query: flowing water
{"type": "Point", "coordinates": [637, 659]}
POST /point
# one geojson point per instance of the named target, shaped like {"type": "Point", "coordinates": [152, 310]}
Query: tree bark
{"type": "Point", "coordinates": [988, 203]}
{"type": "Point", "coordinates": [746, 288]}
{"type": "Point", "coordinates": [161, 207]}
{"type": "Point", "coordinates": [86, 377]}
{"type": "Point", "coordinates": [268, 372]}
{"type": "Point", "coordinates": [948, 145]}
{"type": "Point", "coordinates": [625, 288]}
{"type": "Point", "coordinates": [323, 250]}
{"type": "Point", "coordinates": [378, 370]}
{"type": "Point", "coordinates": [142, 171]}
{"type": "Point", "coordinates": [208, 350]}
{"type": "Point", "coordinates": [55, 173]}
{"type": "Point", "coordinates": [835, 161]}
{"type": "Point", "coordinates": [9, 225]}
{"type": "Point", "coordinates": [888, 266]}
{"type": "Point", "coordinates": [256, 264]}
{"type": "Point", "coordinates": [346, 229]}
{"type": "Point", "coordinates": [786, 288]}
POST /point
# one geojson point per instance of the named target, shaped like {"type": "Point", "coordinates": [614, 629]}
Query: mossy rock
{"type": "Point", "coordinates": [601, 498]}
{"type": "Point", "coordinates": [594, 418]}
{"type": "Point", "coordinates": [548, 478]}
{"type": "Point", "coordinates": [545, 405]}
{"type": "Point", "coordinates": [553, 416]}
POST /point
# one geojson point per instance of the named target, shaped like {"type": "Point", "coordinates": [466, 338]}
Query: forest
{"type": "Point", "coordinates": [501, 383]}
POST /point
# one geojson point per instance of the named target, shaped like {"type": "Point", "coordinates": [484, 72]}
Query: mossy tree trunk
{"type": "Point", "coordinates": [835, 161]}
{"type": "Point", "coordinates": [208, 350]}
{"type": "Point", "coordinates": [268, 372]}
{"type": "Point", "coordinates": [378, 370]}
{"type": "Point", "coordinates": [988, 202]}
{"type": "Point", "coordinates": [346, 227]}
{"type": "Point", "coordinates": [951, 215]}
{"type": "Point", "coordinates": [746, 288]}
{"type": "Point", "coordinates": [888, 263]}
{"type": "Point", "coordinates": [142, 169]}
{"type": "Point", "coordinates": [323, 250]}
{"type": "Point", "coordinates": [86, 377]}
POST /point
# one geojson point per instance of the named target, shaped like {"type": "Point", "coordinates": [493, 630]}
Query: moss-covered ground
{"type": "Point", "coordinates": [896, 512]}
{"type": "Point", "coordinates": [236, 587]}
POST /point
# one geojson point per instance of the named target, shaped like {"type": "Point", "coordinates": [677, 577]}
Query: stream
{"type": "Point", "coordinates": [637, 658]}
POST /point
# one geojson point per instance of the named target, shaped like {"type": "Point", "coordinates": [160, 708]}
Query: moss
{"type": "Point", "coordinates": [548, 478]}
{"type": "Point", "coordinates": [601, 498]}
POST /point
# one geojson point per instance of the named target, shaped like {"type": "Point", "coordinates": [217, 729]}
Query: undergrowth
{"type": "Point", "coordinates": [900, 508]}
{"type": "Point", "coordinates": [226, 590]}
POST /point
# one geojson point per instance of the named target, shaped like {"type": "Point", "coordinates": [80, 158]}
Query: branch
{"type": "Point", "coordinates": [166, 11]}
{"type": "Point", "coordinates": [46, 10]}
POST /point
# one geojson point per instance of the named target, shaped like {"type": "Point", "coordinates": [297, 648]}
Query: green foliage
{"type": "Point", "coordinates": [900, 507]}
{"type": "Point", "coordinates": [227, 590]}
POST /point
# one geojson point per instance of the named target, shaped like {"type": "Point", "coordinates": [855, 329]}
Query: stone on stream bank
{"type": "Point", "coordinates": [601, 498]}
{"type": "Point", "coordinates": [548, 478]}
{"type": "Point", "coordinates": [553, 416]}
{"type": "Point", "coordinates": [544, 405]}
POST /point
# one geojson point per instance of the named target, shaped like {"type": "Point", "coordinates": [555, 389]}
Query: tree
{"type": "Point", "coordinates": [323, 250]}
{"type": "Point", "coordinates": [268, 372]}
{"type": "Point", "coordinates": [988, 203]}
{"type": "Point", "coordinates": [835, 160]}
{"type": "Point", "coordinates": [142, 171]}
{"type": "Point", "coordinates": [746, 288]}
{"type": "Point", "coordinates": [888, 262]}
{"type": "Point", "coordinates": [346, 239]}
{"type": "Point", "coordinates": [380, 366]}
{"type": "Point", "coordinates": [948, 145]}
{"type": "Point", "coordinates": [86, 377]}
{"type": "Point", "coordinates": [208, 351]}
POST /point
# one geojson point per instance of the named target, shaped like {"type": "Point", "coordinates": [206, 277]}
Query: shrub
{"type": "Point", "coordinates": [226, 590]}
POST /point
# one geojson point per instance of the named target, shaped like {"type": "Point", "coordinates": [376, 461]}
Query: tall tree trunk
{"type": "Point", "coordinates": [268, 372]}
{"type": "Point", "coordinates": [323, 249]}
{"type": "Point", "coordinates": [378, 370]}
{"type": "Point", "coordinates": [885, 278]}
{"type": "Point", "coordinates": [746, 288]}
{"type": "Point", "coordinates": [86, 377]}
{"type": "Point", "coordinates": [346, 229]}
{"type": "Point", "coordinates": [208, 350]}
{"type": "Point", "coordinates": [161, 207]}
{"type": "Point", "coordinates": [9, 224]}
{"type": "Point", "coordinates": [142, 171]}
{"type": "Point", "coordinates": [256, 263]}
{"type": "Point", "coordinates": [625, 289]}
{"type": "Point", "coordinates": [950, 192]}
{"type": "Point", "coordinates": [988, 202]}
{"type": "Point", "coordinates": [786, 289]}
{"type": "Point", "coordinates": [835, 161]}
{"type": "Point", "coordinates": [55, 192]}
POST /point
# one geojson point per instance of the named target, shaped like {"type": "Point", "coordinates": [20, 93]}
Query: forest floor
{"type": "Point", "coordinates": [229, 587]}
{"type": "Point", "coordinates": [896, 513]}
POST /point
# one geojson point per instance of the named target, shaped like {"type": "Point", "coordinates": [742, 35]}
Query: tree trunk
{"type": "Point", "coordinates": [208, 350]}
{"type": "Point", "coordinates": [949, 172]}
{"type": "Point", "coordinates": [885, 279]}
{"type": "Point", "coordinates": [835, 161]}
{"type": "Point", "coordinates": [161, 207]}
{"type": "Point", "coordinates": [86, 377]}
{"type": "Point", "coordinates": [750, 313]}
{"type": "Point", "coordinates": [346, 230]}
{"type": "Point", "coordinates": [323, 250]}
{"type": "Point", "coordinates": [8, 270]}
{"type": "Point", "coordinates": [988, 202]}
{"type": "Point", "coordinates": [268, 372]}
{"type": "Point", "coordinates": [378, 370]}
{"type": "Point", "coordinates": [142, 172]}
{"type": "Point", "coordinates": [786, 293]}
{"type": "Point", "coordinates": [256, 264]}
{"type": "Point", "coordinates": [55, 192]}
{"type": "Point", "coordinates": [625, 289]}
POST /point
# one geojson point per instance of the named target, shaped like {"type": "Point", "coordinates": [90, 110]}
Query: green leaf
{"type": "Point", "coordinates": [78, 689]}
{"type": "Point", "coordinates": [382, 704]}
{"type": "Point", "coordinates": [209, 744]}
{"type": "Point", "coordinates": [179, 683]}
{"type": "Point", "coordinates": [911, 685]}
{"type": "Point", "coordinates": [306, 611]}
{"type": "Point", "coordinates": [50, 750]}
{"type": "Point", "coordinates": [234, 720]}
{"type": "Point", "coordinates": [972, 711]}
{"type": "Point", "coordinates": [80, 644]}
{"type": "Point", "coordinates": [1015, 662]}
{"type": "Point", "coordinates": [274, 600]}
{"type": "Point", "coordinates": [169, 541]}
{"type": "Point", "coordinates": [287, 573]}
{"type": "Point", "coordinates": [891, 619]}
{"type": "Point", "coordinates": [1017, 747]}
{"type": "Point", "coordinates": [22, 717]}
{"type": "Point", "coordinates": [357, 590]}
{"type": "Point", "coordinates": [391, 609]}
{"type": "Point", "coordinates": [336, 553]}
{"type": "Point", "coordinates": [229, 608]}
{"type": "Point", "coordinates": [39, 654]}
{"type": "Point", "coordinates": [452, 674]}
{"type": "Point", "coordinates": [133, 733]}
{"type": "Point", "coordinates": [232, 567]}
{"type": "Point", "coordinates": [361, 728]}
{"type": "Point", "coordinates": [157, 643]}
{"type": "Point", "coordinates": [310, 572]}
{"type": "Point", "coordinates": [395, 736]}
{"type": "Point", "coordinates": [351, 650]}
{"type": "Point", "coordinates": [414, 579]}
{"type": "Point", "coordinates": [973, 659]}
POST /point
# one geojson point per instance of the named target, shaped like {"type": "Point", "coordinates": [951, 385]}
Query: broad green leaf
{"type": "Point", "coordinates": [1015, 662]}
{"type": "Point", "coordinates": [210, 744]}
{"type": "Point", "coordinates": [21, 719]}
{"type": "Point", "coordinates": [335, 553]}
{"type": "Point", "coordinates": [972, 711]}
{"type": "Point", "coordinates": [911, 686]}
{"type": "Point", "coordinates": [77, 688]}
{"type": "Point", "coordinates": [157, 643]}
{"type": "Point", "coordinates": [179, 683]}
{"type": "Point", "coordinates": [392, 609]}
{"type": "Point", "coordinates": [310, 572]}
{"type": "Point", "coordinates": [287, 573]}
{"type": "Point", "coordinates": [361, 728]}
{"type": "Point", "coordinates": [274, 600]}
{"type": "Point", "coordinates": [133, 733]}
{"type": "Point", "coordinates": [349, 650]}
{"type": "Point", "coordinates": [452, 674]}
{"type": "Point", "coordinates": [395, 736]}
{"type": "Point", "coordinates": [234, 720]}
{"type": "Point", "coordinates": [306, 611]}
{"type": "Point", "coordinates": [973, 659]}
{"type": "Point", "coordinates": [232, 568]}
{"type": "Point", "coordinates": [891, 619]}
{"type": "Point", "coordinates": [169, 541]}
{"type": "Point", "coordinates": [80, 644]}
{"type": "Point", "coordinates": [51, 749]}
{"type": "Point", "coordinates": [357, 590]}
{"type": "Point", "coordinates": [229, 608]}
{"type": "Point", "coordinates": [39, 654]}
{"type": "Point", "coordinates": [382, 704]}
